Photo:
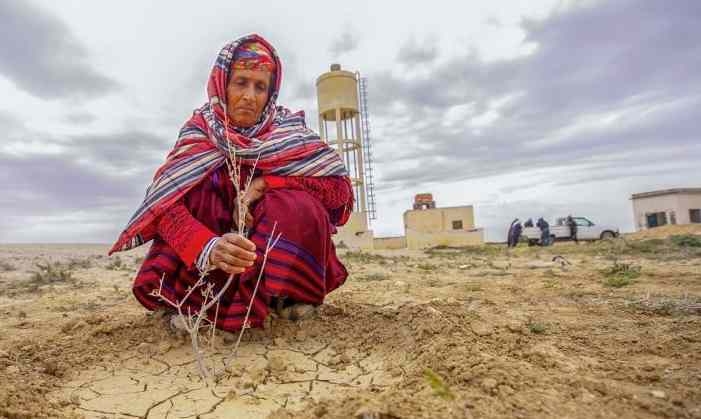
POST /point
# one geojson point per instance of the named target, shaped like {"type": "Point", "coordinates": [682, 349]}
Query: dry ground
{"type": "Point", "coordinates": [610, 329]}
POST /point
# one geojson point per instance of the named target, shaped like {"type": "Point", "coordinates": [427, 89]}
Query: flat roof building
{"type": "Point", "coordinates": [426, 225]}
{"type": "Point", "coordinates": [668, 206]}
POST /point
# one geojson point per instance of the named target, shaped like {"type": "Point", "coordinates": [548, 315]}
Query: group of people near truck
{"type": "Point", "coordinates": [546, 239]}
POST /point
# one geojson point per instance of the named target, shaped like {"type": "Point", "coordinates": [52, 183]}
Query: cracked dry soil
{"type": "Point", "coordinates": [510, 334]}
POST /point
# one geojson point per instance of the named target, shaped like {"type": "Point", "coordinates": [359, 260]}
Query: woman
{"type": "Point", "coordinates": [299, 182]}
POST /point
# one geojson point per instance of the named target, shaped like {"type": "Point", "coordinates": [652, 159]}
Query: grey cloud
{"type": "Point", "coordinates": [589, 63]}
{"type": "Point", "coordinates": [413, 53]}
{"type": "Point", "coordinates": [80, 118]}
{"type": "Point", "coordinates": [95, 181]}
{"type": "Point", "coordinates": [346, 42]}
{"type": "Point", "coordinates": [41, 56]}
{"type": "Point", "coordinates": [89, 172]}
{"type": "Point", "coordinates": [10, 125]}
{"type": "Point", "coordinates": [134, 150]}
{"type": "Point", "coordinates": [46, 185]}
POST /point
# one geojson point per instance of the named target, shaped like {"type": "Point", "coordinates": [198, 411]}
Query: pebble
{"type": "Point", "coordinates": [489, 383]}
{"type": "Point", "coordinates": [276, 364]}
{"type": "Point", "coordinates": [12, 369]}
{"type": "Point", "coordinates": [79, 325]}
{"type": "Point", "coordinates": [481, 329]}
{"type": "Point", "coordinates": [658, 394]}
{"type": "Point", "coordinates": [164, 347]}
{"type": "Point", "coordinates": [4, 354]}
{"type": "Point", "coordinates": [145, 348]}
{"type": "Point", "coordinates": [514, 327]}
{"type": "Point", "coordinates": [506, 390]}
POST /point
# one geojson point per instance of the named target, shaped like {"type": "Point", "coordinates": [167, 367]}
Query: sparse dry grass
{"type": "Point", "coordinates": [6, 266]}
{"type": "Point", "coordinates": [374, 276]}
{"type": "Point", "coordinates": [620, 274]}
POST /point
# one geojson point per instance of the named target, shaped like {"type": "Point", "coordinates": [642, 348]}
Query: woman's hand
{"type": "Point", "coordinates": [254, 192]}
{"type": "Point", "coordinates": [233, 254]}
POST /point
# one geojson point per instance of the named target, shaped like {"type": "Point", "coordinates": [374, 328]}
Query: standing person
{"type": "Point", "coordinates": [544, 231]}
{"type": "Point", "coordinates": [516, 234]}
{"type": "Point", "coordinates": [572, 224]}
{"type": "Point", "coordinates": [298, 182]}
{"type": "Point", "coordinates": [510, 233]}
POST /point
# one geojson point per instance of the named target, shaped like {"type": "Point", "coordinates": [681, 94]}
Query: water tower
{"type": "Point", "coordinates": [344, 124]}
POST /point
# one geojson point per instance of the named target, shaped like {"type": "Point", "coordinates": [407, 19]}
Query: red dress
{"type": "Point", "coordinates": [303, 266]}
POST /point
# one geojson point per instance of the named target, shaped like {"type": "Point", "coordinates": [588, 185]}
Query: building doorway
{"type": "Point", "coordinates": [656, 219]}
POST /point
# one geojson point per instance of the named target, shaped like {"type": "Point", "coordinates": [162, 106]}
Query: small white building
{"type": "Point", "coordinates": [669, 206]}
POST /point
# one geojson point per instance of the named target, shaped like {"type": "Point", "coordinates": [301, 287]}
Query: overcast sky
{"type": "Point", "coordinates": [519, 108]}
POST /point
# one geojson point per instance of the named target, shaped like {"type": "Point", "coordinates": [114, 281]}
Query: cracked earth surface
{"type": "Point", "coordinates": [161, 381]}
{"type": "Point", "coordinates": [510, 334]}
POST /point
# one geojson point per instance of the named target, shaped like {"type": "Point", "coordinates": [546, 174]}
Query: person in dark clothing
{"type": "Point", "coordinates": [528, 223]}
{"type": "Point", "coordinates": [544, 231]}
{"type": "Point", "coordinates": [509, 234]}
{"type": "Point", "coordinates": [516, 234]}
{"type": "Point", "coordinates": [573, 228]}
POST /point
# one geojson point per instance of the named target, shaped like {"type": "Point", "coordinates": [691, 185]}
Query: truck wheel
{"type": "Point", "coordinates": [607, 235]}
{"type": "Point", "coordinates": [532, 243]}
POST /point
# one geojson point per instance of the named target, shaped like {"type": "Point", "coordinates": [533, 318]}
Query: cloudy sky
{"type": "Point", "coordinates": [520, 108]}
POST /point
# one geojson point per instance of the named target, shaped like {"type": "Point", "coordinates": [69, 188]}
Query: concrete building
{"type": "Point", "coordinates": [427, 226]}
{"type": "Point", "coordinates": [669, 206]}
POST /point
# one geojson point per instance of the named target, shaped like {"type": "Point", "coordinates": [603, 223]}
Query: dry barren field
{"type": "Point", "coordinates": [609, 329]}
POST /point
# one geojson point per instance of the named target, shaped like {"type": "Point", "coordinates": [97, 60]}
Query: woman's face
{"type": "Point", "coordinates": [246, 96]}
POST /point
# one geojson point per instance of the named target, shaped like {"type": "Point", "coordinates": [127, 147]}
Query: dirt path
{"type": "Point", "coordinates": [450, 333]}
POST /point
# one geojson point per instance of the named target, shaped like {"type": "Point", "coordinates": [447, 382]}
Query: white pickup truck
{"type": "Point", "coordinates": [586, 230]}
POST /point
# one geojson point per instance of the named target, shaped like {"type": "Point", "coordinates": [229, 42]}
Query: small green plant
{"type": "Point", "coordinates": [550, 283]}
{"type": "Point", "coordinates": [440, 388]}
{"type": "Point", "coordinates": [617, 281]}
{"type": "Point", "coordinates": [536, 328]}
{"type": "Point", "coordinates": [686, 240]}
{"type": "Point", "coordinates": [620, 274]}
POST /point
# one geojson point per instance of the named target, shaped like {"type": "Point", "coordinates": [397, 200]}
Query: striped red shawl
{"type": "Point", "coordinates": [280, 141]}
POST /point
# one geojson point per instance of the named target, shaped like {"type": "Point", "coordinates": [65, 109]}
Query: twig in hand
{"type": "Point", "coordinates": [272, 241]}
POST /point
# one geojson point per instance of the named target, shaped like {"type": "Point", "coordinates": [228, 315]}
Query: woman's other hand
{"type": "Point", "coordinates": [233, 254]}
{"type": "Point", "coordinates": [254, 192]}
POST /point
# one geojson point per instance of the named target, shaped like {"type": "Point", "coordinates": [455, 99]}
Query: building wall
{"type": "Point", "coordinates": [439, 219]}
{"type": "Point", "coordinates": [687, 202]}
{"type": "Point", "coordinates": [355, 234]}
{"type": "Point", "coordinates": [420, 240]}
{"type": "Point", "coordinates": [434, 227]}
{"type": "Point", "coordinates": [388, 243]}
{"type": "Point", "coordinates": [676, 203]}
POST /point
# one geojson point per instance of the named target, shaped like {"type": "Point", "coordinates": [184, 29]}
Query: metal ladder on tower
{"type": "Point", "coordinates": [367, 148]}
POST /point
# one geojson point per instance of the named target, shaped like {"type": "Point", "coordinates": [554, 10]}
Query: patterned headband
{"type": "Point", "coordinates": [253, 56]}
